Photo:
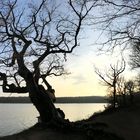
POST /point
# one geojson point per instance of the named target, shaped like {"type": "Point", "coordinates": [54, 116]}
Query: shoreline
{"type": "Point", "coordinates": [119, 124]}
{"type": "Point", "coordinates": [84, 99]}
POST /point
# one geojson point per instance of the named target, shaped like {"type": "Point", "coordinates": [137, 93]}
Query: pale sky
{"type": "Point", "coordinates": [83, 81]}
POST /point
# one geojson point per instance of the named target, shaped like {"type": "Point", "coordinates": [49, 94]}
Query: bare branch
{"type": "Point", "coordinates": [112, 77]}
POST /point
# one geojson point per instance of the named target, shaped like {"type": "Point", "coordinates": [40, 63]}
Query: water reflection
{"type": "Point", "coordinates": [17, 117]}
{"type": "Point", "coordinates": [75, 112]}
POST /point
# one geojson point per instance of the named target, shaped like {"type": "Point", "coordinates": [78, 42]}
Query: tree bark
{"type": "Point", "coordinates": [41, 100]}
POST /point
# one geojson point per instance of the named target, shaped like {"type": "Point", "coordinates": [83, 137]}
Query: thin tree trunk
{"type": "Point", "coordinates": [114, 97]}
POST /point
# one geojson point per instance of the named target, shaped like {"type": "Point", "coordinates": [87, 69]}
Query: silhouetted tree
{"type": "Point", "coordinates": [130, 88]}
{"type": "Point", "coordinates": [111, 77]}
{"type": "Point", "coordinates": [34, 40]}
{"type": "Point", "coordinates": [137, 83]}
{"type": "Point", "coordinates": [120, 20]}
{"type": "Point", "coordinates": [121, 91]}
{"type": "Point", "coordinates": [135, 55]}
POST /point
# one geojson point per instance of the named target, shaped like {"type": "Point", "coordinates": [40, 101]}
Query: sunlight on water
{"type": "Point", "coordinates": [17, 117]}
{"type": "Point", "coordinates": [75, 112]}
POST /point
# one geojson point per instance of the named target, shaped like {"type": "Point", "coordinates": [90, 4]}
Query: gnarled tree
{"type": "Point", "coordinates": [34, 40]}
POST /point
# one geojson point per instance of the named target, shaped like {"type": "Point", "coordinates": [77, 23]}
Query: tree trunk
{"type": "Point", "coordinates": [37, 94]}
{"type": "Point", "coordinates": [131, 97]}
{"type": "Point", "coordinates": [124, 99]}
{"type": "Point", "coordinates": [41, 101]}
{"type": "Point", "coordinates": [114, 97]}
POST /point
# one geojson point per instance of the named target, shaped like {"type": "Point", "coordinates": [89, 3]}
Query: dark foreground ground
{"type": "Point", "coordinates": [124, 122]}
{"type": "Point", "coordinates": [121, 124]}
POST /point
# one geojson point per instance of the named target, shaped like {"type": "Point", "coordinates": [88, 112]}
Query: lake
{"type": "Point", "coordinates": [18, 117]}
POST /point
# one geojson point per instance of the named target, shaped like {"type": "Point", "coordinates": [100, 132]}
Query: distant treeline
{"type": "Point", "coordinates": [86, 99]}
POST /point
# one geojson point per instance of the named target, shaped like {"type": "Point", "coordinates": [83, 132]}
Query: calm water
{"type": "Point", "coordinates": [17, 117]}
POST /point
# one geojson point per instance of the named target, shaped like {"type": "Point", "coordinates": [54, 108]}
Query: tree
{"type": "Point", "coordinates": [120, 20]}
{"type": "Point", "coordinates": [130, 88]}
{"type": "Point", "coordinates": [135, 55]}
{"type": "Point", "coordinates": [34, 40]}
{"type": "Point", "coordinates": [111, 78]}
{"type": "Point", "coordinates": [137, 83]}
{"type": "Point", "coordinates": [121, 91]}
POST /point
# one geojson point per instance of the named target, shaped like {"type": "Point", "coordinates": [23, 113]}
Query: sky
{"type": "Point", "coordinates": [83, 81]}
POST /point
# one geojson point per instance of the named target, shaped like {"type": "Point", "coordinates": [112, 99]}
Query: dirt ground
{"type": "Point", "coordinates": [46, 134]}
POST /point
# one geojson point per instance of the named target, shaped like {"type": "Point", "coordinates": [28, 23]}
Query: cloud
{"type": "Point", "coordinates": [78, 79]}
